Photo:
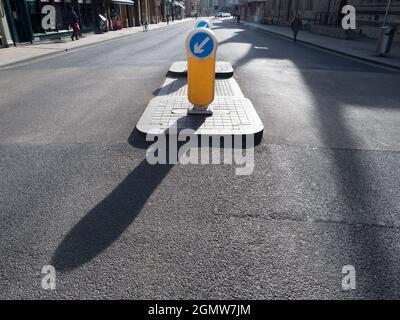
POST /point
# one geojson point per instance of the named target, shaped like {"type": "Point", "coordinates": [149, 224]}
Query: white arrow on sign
{"type": "Point", "coordinates": [198, 48]}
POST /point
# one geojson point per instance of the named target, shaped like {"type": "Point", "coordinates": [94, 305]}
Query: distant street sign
{"type": "Point", "coordinates": [202, 44]}
{"type": "Point", "coordinates": [203, 24]}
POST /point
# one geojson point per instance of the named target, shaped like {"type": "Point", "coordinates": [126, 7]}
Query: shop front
{"type": "Point", "coordinates": [122, 14]}
{"type": "Point", "coordinates": [175, 10]}
{"type": "Point", "coordinates": [35, 20]}
{"type": "Point", "coordinates": [5, 33]}
{"type": "Point", "coordinates": [256, 10]}
{"type": "Point", "coordinates": [179, 9]}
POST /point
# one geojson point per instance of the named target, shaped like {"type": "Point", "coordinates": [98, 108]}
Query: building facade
{"type": "Point", "coordinates": [24, 18]}
{"type": "Point", "coordinates": [192, 7]}
{"type": "Point", "coordinates": [227, 6]}
{"type": "Point", "coordinates": [324, 13]}
{"type": "Point", "coordinates": [206, 8]}
{"type": "Point", "coordinates": [371, 15]}
{"type": "Point", "coordinates": [5, 35]}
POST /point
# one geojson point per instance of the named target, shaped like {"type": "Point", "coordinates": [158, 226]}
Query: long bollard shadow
{"type": "Point", "coordinates": [105, 223]}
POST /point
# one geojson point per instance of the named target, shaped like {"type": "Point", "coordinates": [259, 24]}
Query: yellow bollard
{"type": "Point", "coordinates": [201, 47]}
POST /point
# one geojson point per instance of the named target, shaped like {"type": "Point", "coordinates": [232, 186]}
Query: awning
{"type": "Point", "coordinates": [126, 2]}
{"type": "Point", "coordinates": [179, 5]}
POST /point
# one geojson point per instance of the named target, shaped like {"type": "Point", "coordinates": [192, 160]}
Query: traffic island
{"type": "Point", "coordinates": [199, 102]}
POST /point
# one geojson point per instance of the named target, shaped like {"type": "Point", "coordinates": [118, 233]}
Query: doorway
{"type": "Point", "coordinates": [20, 21]}
{"type": "Point", "coordinates": [339, 15]}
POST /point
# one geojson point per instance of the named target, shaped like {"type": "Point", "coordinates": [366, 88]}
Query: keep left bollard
{"type": "Point", "coordinates": [173, 113]}
{"type": "Point", "coordinates": [203, 23]}
{"type": "Point", "coordinates": [201, 48]}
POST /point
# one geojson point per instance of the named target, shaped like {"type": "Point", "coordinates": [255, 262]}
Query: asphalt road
{"type": "Point", "coordinates": [76, 191]}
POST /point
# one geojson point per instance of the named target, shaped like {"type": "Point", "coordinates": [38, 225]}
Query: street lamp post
{"type": "Point", "coordinates": [387, 12]}
{"type": "Point", "coordinates": [329, 11]}
{"type": "Point", "coordinates": [279, 11]}
{"type": "Point", "coordinates": [164, 10]}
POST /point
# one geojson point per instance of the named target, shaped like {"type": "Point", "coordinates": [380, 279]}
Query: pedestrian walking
{"type": "Point", "coordinates": [238, 18]}
{"type": "Point", "coordinates": [145, 25]}
{"type": "Point", "coordinates": [296, 25]}
{"type": "Point", "coordinates": [74, 23]}
{"type": "Point", "coordinates": [167, 19]}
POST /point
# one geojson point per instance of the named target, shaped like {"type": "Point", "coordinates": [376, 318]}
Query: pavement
{"type": "Point", "coordinates": [361, 47]}
{"type": "Point", "coordinates": [23, 53]}
{"type": "Point", "coordinates": [76, 191]}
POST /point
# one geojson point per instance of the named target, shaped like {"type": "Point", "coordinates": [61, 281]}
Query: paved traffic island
{"type": "Point", "coordinates": [196, 100]}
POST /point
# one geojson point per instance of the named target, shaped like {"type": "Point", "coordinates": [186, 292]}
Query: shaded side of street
{"type": "Point", "coordinates": [360, 47]}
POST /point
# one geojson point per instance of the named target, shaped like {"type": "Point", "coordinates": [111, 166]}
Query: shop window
{"type": "Point", "coordinates": [309, 4]}
{"type": "Point", "coordinates": [86, 11]}
{"type": "Point", "coordinates": [35, 15]}
{"type": "Point", "coordinates": [61, 15]}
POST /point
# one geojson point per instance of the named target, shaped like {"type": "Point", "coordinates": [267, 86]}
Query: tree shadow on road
{"type": "Point", "coordinates": [360, 192]}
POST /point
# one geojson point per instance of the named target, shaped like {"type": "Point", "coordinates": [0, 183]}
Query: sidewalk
{"type": "Point", "coordinates": [362, 48]}
{"type": "Point", "coordinates": [23, 53]}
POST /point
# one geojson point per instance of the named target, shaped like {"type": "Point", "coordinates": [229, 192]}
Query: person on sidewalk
{"type": "Point", "coordinates": [296, 25]}
{"type": "Point", "coordinates": [73, 23]}
{"type": "Point", "coordinates": [145, 25]}
{"type": "Point", "coordinates": [238, 18]}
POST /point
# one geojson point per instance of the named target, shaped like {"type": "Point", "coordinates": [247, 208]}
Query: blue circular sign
{"type": "Point", "coordinates": [202, 24]}
{"type": "Point", "coordinates": [201, 45]}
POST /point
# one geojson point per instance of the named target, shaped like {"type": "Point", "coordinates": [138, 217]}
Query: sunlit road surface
{"type": "Point", "coordinates": [77, 193]}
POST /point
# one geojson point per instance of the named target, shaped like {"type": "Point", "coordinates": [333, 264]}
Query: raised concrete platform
{"type": "Point", "coordinates": [177, 87]}
{"type": "Point", "coordinates": [223, 69]}
{"type": "Point", "coordinates": [170, 112]}
{"type": "Point", "coordinates": [231, 116]}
